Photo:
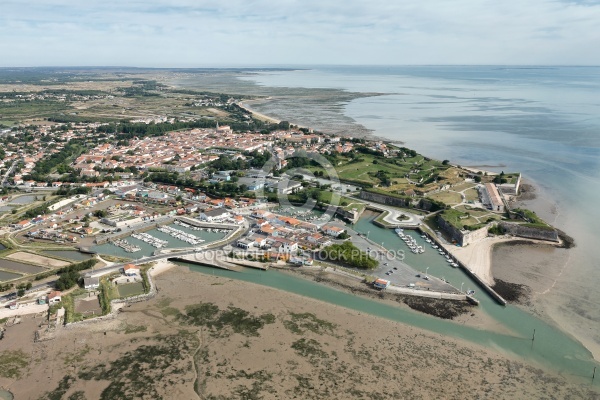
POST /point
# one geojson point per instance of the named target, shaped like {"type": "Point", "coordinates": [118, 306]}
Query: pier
{"type": "Point", "coordinates": [470, 273]}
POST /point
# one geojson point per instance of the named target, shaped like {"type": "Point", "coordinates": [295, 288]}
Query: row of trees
{"type": "Point", "coordinates": [349, 254]}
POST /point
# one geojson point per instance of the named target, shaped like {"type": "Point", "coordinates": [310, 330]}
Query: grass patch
{"type": "Point", "coordinates": [130, 289]}
{"type": "Point", "coordinates": [447, 197]}
{"type": "Point", "coordinates": [135, 328]}
{"type": "Point", "coordinates": [158, 360]}
{"type": "Point", "coordinates": [225, 322]}
{"type": "Point", "coordinates": [12, 363]}
{"type": "Point", "coordinates": [471, 195]}
{"type": "Point", "coordinates": [530, 217]}
{"type": "Point", "coordinates": [78, 356]}
{"type": "Point", "coordinates": [63, 386]}
{"type": "Point", "coordinates": [68, 302]}
{"type": "Point", "coordinates": [114, 259]}
{"type": "Point", "coordinates": [309, 348]}
{"type": "Point", "coordinates": [460, 220]}
{"type": "Point", "coordinates": [299, 323]}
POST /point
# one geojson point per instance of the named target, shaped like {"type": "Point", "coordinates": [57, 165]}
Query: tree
{"type": "Point", "coordinates": [67, 280]}
{"type": "Point", "coordinates": [343, 235]}
{"type": "Point", "coordinates": [445, 162]}
{"type": "Point", "coordinates": [100, 213]}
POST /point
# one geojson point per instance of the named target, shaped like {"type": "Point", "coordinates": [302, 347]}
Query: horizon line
{"type": "Point", "coordinates": [288, 66]}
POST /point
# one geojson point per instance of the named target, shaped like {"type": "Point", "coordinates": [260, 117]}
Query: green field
{"type": "Point", "coordinates": [130, 289]}
{"type": "Point", "coordinates": [462, 186]}
{"type": "Point", "coordinates": [30, 110]}
{"type": "Point", "coordinates": [447, 197]}
{"type": "Point", "coordinates": [459, 219]}
{"type": "Point", "coordinates": [471, 195]}
{"type": "Point", "coordinates": [370, 169]}
{"type": "Point", "coordinates": [368, 166]}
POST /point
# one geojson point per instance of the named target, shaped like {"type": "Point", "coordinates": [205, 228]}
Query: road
{"type": "Point", "coordinates": [8, 172]}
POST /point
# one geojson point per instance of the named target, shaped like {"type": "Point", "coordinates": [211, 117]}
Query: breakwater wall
{"type": "Point", "coordinates": [530, 232]}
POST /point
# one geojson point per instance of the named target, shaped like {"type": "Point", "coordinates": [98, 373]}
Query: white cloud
{"type": "Point", "coordinates": [196, 33]}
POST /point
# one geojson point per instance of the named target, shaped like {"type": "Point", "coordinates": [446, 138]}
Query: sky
{"type": "Point", "coordinates": [197, 33]}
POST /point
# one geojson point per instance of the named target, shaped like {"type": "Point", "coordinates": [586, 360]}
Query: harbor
{"type": "Point", "coordinates": [162, 237]}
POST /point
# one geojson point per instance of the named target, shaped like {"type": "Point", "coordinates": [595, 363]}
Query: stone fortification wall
{"type": "Point", "coordinates": [462, 237]}
{"type": "Point", "coordinates": [385, 199]}
{"type": "Point", "coordinates": [530, 232]}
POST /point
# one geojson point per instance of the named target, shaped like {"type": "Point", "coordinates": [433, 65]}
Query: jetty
{"type": "Point", "coordinates": [467, 270]}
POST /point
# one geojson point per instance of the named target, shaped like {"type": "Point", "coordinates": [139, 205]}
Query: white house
{"type": "Point", "coordinates": [91, 282]}
{"type": "Point", "coordinates": [54, 297]}
{"type": "Point", "coordinates": [245, 243]}
{"type": "Point", "coordinates": [285, 246]}
{"type": "Point", "coordinates": [131, 270]}
{"type": "Point", "coordinates": [332, 230]}
{"type": "Point", "coordinates": [215, 215]}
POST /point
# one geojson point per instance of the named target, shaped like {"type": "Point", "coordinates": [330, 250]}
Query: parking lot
{"type": "Point", "coordinates": [400, 273]}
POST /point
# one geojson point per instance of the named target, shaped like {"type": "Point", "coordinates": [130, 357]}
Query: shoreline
{"type": "Point", "coordinates": [260, 116]}
{"type": "Point", "coordinates": [486, 270]}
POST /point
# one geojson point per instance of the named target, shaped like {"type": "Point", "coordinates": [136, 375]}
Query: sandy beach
{"type": "Point", "coordinates": [478, 256]}
{"type": "Point", "coordinates": [258, 115]}
{"type": "Point", "coordinates": [303, 348]}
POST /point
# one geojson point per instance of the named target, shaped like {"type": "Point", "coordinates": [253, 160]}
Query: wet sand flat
{"type": "Point", "coordinates": [301, 348]}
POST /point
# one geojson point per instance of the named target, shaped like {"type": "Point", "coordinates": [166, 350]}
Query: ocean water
{"type": "Point", "coordinates": [542, 121]}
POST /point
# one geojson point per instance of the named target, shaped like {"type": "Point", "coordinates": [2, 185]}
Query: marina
{"type": "Point", "coordinates": [181, 235]}
{"type": "Point", "coordinates": [125, 245]}
{"type": "Point", "coordinates": [411, 242]}
{"type": "Point", "coordinates": [151, 240]}
{"type": "Point", "coordinates": [207, 235]}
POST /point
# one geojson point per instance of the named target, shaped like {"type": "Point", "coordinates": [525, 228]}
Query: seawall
{"type": "Point", "coordinates": [530, 232]}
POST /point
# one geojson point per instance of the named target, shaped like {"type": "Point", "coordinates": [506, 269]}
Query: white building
{"type": "Point", "coordinates": [131, 270]}
{"type": "Point", "coordinates": [215, 215]}
{"type": "Point", "coordinates": [54, 297]}
{"type": "Point", "coordinates": [91, 282]}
